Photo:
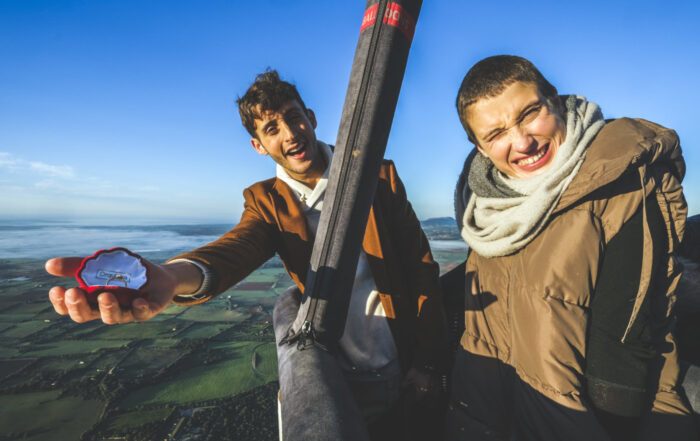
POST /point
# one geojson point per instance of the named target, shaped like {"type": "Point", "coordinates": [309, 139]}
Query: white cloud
{"type": "Point", "coordinates": [36, 187]}
{"type": "Point", "coordinates": [92, 188]}
{"type": "Point", "coordinates": [6, 160]}
{"type": "Point", "coordinates": [45, 184]}
{"type": "Point", "coordinates": [59, 171]}
{"type": "Point", "coordinates": [15, 164]}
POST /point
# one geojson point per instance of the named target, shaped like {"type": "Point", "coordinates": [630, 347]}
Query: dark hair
{"type": "Point", "coordinates": [268, 92]}
{"type": "Point", "coordinates": [490, 76]}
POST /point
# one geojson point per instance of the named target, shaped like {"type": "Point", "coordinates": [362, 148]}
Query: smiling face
{"type": "Point", "coordinates": [518, 130]}
{"type": "Point", "coordinates": [287, 135]}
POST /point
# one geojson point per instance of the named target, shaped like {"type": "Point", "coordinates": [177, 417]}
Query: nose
{"type": "Point", "coordinates": [521, 140]}
{"type": "Point", "coordinates": [287, 130]}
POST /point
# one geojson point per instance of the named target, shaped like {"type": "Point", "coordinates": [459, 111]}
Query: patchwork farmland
{"type": "Point", "coordinates": [200, 373]}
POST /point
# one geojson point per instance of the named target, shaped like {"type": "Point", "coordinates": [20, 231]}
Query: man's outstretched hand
{"type": "Point", "coordinates": [161, 288]}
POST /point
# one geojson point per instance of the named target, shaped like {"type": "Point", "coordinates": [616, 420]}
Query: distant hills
{"type": "Point", "coordinates": [440, 222]}
{"type": "Point", "coordinates": [441, 228]}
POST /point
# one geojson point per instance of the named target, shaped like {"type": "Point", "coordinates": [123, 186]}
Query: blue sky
{"type": "Point", "coordinates": [125, 111]}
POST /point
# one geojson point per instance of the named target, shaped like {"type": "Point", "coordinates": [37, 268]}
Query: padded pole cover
{"type": "Point", "coordinates": [375, 81]}
{"type": "Point", "coordinates": [316, 403]}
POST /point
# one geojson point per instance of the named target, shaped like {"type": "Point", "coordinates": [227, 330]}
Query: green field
{"type": "Point", "coordinates": [10, 286]}
{"type": "Point", "coordinates": [70, 347]}
{"type": "Point", "coordinates": [48, 314]}
{"type": "Point", "coordinates": [183, 358]}
{"type": "Point", "coordinates": [136, 330]}
{"type": "Point", "coordinates": [213, 313]}
{"type": "Point", "coordinates": [45, 417]}
{"type": "Point", "coordinates": [11, 366]}
{"type": "Point", "coordinates": [83, 331]}
{"type": "Point", "coordinates": [250, 295]}
{"type": "Point", "coordinates": [24, 329]}
{"type": "Point", "coordinates": [174, 310]}
{"type": "Point", "coordinates": [7, 351]}
{"type": "Point", "coordinates": [138, 418]}
{"type": "Point", "coordinates": [29, 308]}
{"type": "Point", "coordinates": [150, 359]}
{"type": "Point", "coordinates": [203, 330]}
{"type": "Point", "coordinates": [267, 360]}
{"type": "Point", "coordinates": [108, 360]}
{"type": "Point", "coordinates": [206, 382]}
{"type": "Point", "coordinates": [15, 318]}
{"type": "Point", "coordinates": [265, 275]}
{"type": "Point", "coordinates": [161, 343]}
{"type": "Point", "coordinates": [58, 364]}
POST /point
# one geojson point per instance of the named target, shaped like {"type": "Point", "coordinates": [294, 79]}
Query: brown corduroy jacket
{"type": "Point", "coordinates": [397, 250]}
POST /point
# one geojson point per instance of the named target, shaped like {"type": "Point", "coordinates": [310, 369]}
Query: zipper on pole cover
{"type": "Point", "coordinates": [307, 327]}
{"type": "Point", "coordinates": [375, 82]}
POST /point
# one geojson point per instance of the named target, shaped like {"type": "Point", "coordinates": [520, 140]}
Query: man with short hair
{"type": "Point", "coordinates": [395, 324]}
{"type": "Point", "coordinates": [572, 223]}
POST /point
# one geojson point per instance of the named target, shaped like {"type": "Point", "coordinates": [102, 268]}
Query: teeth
{"type": "Point", "coordinates": [295, 151]}
{"type": "Point", "coordinates": [533, 159]}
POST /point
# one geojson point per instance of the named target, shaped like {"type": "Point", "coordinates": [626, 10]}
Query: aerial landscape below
{"type": "Point", "coordinates": [192, 373]}
{"type": "Point", "coordinates": [207, 372]}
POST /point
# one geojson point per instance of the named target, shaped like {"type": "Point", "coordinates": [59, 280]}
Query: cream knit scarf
{"type": "Point", "coordinates": [498, 223]}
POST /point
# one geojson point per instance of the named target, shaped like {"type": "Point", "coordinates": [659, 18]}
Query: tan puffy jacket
{"type": "Point", "coordinates": [531, 310]}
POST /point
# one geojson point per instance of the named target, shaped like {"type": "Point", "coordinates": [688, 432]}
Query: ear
{"type": "Point", "coordinates": [258, 147]}
{"type": "Point", "coordinates": [312, 117]}
{"type": "Point", "coordinates": [481, 150]}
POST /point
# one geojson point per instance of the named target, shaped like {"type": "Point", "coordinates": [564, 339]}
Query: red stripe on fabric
{"type": "Point", "coordinates": [370, 17]}
{"type": "Point", "coordinates": [395, 15]}
{"type": "Point", "coordinates": [399, 18]}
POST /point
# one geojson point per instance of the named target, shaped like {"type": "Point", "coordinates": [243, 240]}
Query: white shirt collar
{"type": "Point", "coordinates": [308, 197]}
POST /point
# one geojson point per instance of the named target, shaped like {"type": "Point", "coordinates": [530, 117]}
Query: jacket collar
{"type": "Point", "coordinates": [291, 219]}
